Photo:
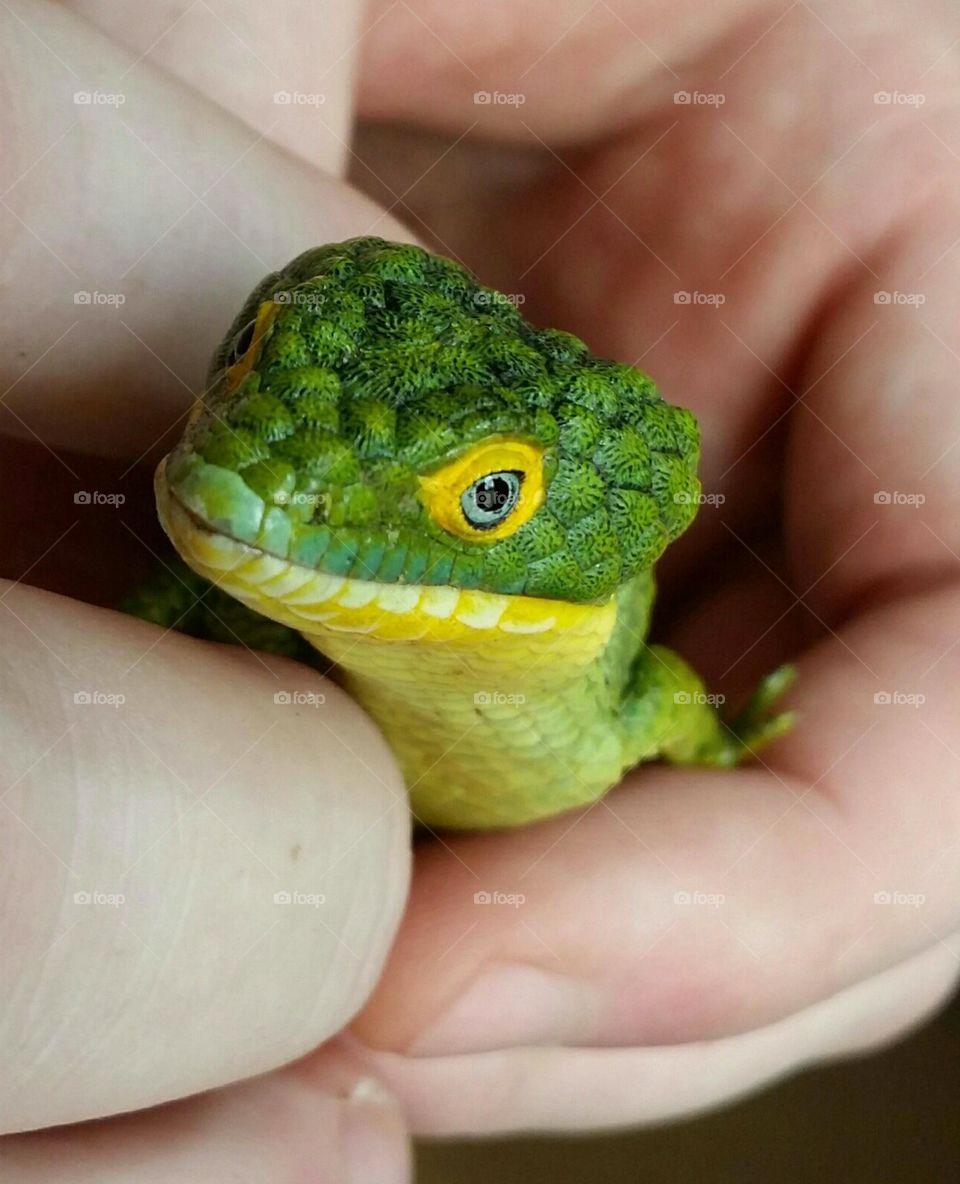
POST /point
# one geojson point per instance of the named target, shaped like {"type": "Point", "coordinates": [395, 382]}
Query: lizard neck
{"type": "Point", "coordinates": [499, 709]}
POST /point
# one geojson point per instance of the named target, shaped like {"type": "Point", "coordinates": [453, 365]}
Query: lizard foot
{"type": "Point", "coordinates": [757, 725]}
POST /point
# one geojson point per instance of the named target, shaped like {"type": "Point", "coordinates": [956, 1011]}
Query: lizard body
{"type": "Point", "coordinates": [463, 513]}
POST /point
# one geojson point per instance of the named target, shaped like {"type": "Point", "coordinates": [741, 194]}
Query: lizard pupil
{"type": "Point", "coordinates": [488, 501]}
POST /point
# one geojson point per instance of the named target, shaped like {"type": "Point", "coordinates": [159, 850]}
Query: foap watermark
{"type": "Point", "coordinates": [698, 698]}
{"type": "Point", "coordinates": [699, 98]}
{"type": "Point", "coordinates": [100, 299]}
{"type": "Point", "coordinates": [685, 498]}
{"type": "Point", "coordinates": [896, 497]}
{"type": "Point", "coordinates": [99, 698]}
{"type": "Point", "coordinates": [714, 299]}
{"type": "Point", "coordinates": [511, 899]}
{"type": "Point", "coordinates": [709, 900]}
{"type": "Point", "coordinates": [306, 297]}
{"type": "Point", "coordinates": [98, 98]}
{"type": "Point", "coordinates": [499, 98]}
{"type": "Point", "coordinates": [487, 296]}
{"type": "Point", "coordinates": [899, 699]}
{"type": "Point", "coordinates": [914, 899]}
{"type": "Point", "coordinates": [299, 698]}
{"type": "Point", "coordinates": [98, 497]}
{"type": "Point", "coordinates": [915, 299]}
{"type": "Point", "coordinates": [300, 497]}
{"type": "Point", "coordinates": [299, 98]}
{"type": "Point", "coordinates": [498, 699]}
{"type": "Point", "coordinates": [312, 900]}
{"type": "Point", "coordinates": [899, 98]}
{"type": "Point", "coordinates": [113, 900]}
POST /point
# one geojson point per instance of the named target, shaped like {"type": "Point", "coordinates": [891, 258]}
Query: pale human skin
{"type": "Point", "coordinates": [640, 1005]}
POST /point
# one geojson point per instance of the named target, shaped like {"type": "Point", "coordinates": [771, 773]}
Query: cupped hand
{"type": "Point", "coordinates": [758, 205]}
{"type": "Point", "coordinates": [725, 199]}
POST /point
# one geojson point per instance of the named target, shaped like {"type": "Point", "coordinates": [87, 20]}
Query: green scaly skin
{"type": "Point", "coordinates": [383, 362]}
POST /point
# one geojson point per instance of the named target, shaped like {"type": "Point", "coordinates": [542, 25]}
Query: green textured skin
{"type": "Point", "coordinates": [383, 363]}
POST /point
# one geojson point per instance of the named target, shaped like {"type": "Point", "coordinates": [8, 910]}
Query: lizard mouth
{"type": "Point", "coordinates": [319, 604]}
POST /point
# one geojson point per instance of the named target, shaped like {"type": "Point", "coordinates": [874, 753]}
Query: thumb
{"type": "Point", "coordinates": [205, 859]}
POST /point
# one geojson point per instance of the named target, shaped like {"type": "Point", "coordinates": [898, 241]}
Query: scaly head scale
{"type": "Point", "coordinates": [378, 419]}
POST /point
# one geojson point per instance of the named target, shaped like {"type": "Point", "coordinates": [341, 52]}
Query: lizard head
{"type": "Point", "coordinates": [374, 413]}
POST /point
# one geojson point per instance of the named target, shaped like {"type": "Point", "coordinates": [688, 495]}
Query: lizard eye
{"type": "Point", "coordinates": [488, 492]}
{"type": "Point", "coordinates": [245, 347]}
{"type": "Point", "coordinates": [241, 343]}
{"type": "Point", "coordinates": [488, 501]}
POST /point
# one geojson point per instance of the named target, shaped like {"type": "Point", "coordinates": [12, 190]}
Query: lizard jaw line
{"type": "Point", "coordinates": [317, 603]}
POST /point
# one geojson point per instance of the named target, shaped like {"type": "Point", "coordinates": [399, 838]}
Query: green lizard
{"type": "Point", "coordinates": [463, 513]}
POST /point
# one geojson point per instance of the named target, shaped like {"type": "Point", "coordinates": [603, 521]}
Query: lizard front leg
{"type": "Point", "coordinates": [668, 713]}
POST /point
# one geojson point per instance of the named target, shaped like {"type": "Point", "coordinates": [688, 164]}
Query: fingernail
{"type": "Point", "coordinates": [511, 1004]}
{"type": "Point", "coordinates": [375, 1141]}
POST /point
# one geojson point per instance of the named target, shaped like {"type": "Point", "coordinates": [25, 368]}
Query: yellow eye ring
{"type": "Point", "coordinates": [235, 374]}
{"type": "Point", "coordinates": [443, 491]}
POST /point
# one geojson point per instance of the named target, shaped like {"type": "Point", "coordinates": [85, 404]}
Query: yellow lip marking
{"type": "Point", "coordinates": [481, 610]}
{"type": "Point", "coordinates": [440, 602]}
{"type": "Point", "coordinates": [358, 593]}
{"type": "Point", "coordinates": [541, 626]}
{"type": "Point", "coordinates": [399, 598]}
{"type": "Point", "coordinates": [287, 584]}
{"type": "Point", "coordinates": [310, 592]}
{"type": "Point", "coordinates": [441, 491]}
{"type": "Point", "coordinates": [266, 315]}
{"type": "Point", "coordinates": [462, 628]}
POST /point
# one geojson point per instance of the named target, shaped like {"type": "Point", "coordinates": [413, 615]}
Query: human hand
{"type": "Point", "coordinates": [797, 962]}
{"type": "Point", "coordinates": [694, 934]}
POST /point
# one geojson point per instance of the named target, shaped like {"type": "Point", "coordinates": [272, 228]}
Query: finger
{"type": "Point", "coordinates": [555, 1089]}
{"type": "Point", "coordinates": [874, 463]}
{"type": "Point", "coordinates": [605, 241]}
{"type": "Point", "coordinates": [689, 904]}
{"type": "Point", "coordinates": [205, 859]}
{"type": "Point", "coordinates": [133, 231]}
{"type": "Point", "coordinates": [449, 66]}
{"type": "Point", "coordinates": [279, 69]}
{"type": "Point", "coordinates": [321, 1119]}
